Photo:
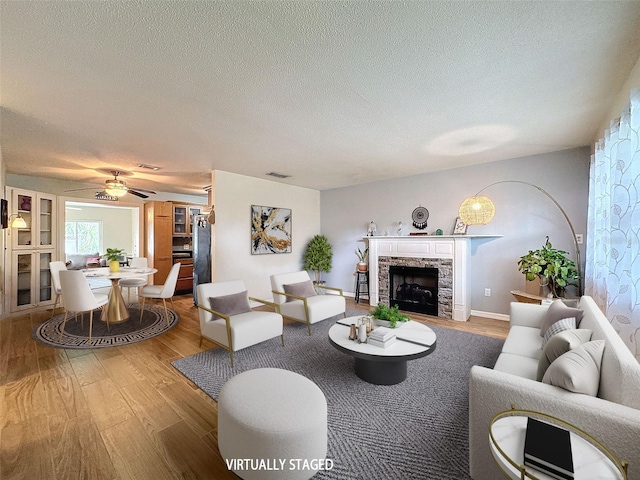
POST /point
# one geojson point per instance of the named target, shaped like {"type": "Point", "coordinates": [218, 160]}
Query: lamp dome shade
{"type": "Point", "coordinates": [19, 222]}
{"type": "Point", "coordinates": [478, 210]}
{"type": "Point", "coordinates": [115, 188]}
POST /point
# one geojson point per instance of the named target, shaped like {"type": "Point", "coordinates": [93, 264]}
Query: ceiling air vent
{"type": "Point", "coordinates": [149, 167]}
{"type": "Point", "coordinates": [278, 175]}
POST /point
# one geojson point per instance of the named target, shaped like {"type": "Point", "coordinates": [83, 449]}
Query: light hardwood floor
{"type": "Point", "coordinates": [117, 413]}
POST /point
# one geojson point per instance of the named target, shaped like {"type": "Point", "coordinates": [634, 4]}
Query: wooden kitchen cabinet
{"type": "Point", "coordinates": [185, 276]}
{"type": "Point", "coordinates": [158, 239]}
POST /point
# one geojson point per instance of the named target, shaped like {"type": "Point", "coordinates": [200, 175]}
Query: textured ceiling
{"type": "Point", "coordinates": [331, 93]}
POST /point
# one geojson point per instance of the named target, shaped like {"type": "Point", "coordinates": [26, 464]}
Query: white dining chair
{"type": "Point", "coordinates": [78, 297]}
{"type": "Point", "coordinates": [134, 282]}
{"type": "Point", "coordinates": [55, 268]}
{"type": "Point", "coordinates": [162, 291]}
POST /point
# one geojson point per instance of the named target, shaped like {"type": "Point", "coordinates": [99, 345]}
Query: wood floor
{"type": "Point", "coordinates": [117, 413]}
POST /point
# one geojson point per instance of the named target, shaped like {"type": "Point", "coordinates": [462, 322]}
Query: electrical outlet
{"type": "Point", "coordinates": [579, 239]}
{"type": "Point", "coordinates": [487, 292]}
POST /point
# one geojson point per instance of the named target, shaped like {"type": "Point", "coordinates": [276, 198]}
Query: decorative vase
{"type": "Point", "coordinates": [362, 266]}
{"type": "Point", "coordinates": [114, 266]}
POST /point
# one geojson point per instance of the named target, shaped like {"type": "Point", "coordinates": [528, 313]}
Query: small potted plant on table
{"type": "Point", "coordinates": [388, 316]}
{"type": "Point", "coordinates": [113, 256]}
{"type": "Point", "coordinates": [550, 264]}
{"type": "Point", "coordinates": [363, 259]}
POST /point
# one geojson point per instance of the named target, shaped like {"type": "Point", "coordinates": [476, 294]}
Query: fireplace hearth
{"type": "Point", "coordinates": [414, 289]}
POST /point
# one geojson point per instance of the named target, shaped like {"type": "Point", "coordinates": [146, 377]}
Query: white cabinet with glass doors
{"type": "Point", "coordinates": [32, 248]}
{"type": "Point", "coordinates": [31, 282]}
{"type": "Point", "coordinates": [38, 211]}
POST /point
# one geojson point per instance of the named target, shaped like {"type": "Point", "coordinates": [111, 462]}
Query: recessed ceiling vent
{"type": "Point", "coordinates": [148, 167]}
{"type": "Point", "coordinates": [278, 175]}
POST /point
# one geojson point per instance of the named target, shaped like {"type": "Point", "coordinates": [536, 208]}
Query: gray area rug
{"type": "Point", "coordinates": [417, 429]}
{"type": "Point", "coordinates": [76, 333]}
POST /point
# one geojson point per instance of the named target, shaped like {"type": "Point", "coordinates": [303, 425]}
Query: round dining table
{"type": "Point", "coordinates": [116, 309]}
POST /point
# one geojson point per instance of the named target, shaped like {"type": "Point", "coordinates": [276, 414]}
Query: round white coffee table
{"type": "Point", "coordinates": [384, 366]}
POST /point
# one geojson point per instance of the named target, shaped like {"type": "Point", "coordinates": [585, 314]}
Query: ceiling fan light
{"type": "Point", "coordinates": [115, 189]}
{"type": "Point", "coordinates": [477, 210]}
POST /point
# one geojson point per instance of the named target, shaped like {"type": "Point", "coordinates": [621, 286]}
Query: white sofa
{"type": "Point", "coordinates": [612, 417]}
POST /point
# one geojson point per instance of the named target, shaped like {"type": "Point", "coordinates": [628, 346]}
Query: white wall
{"type": "Point", "coordinates": [524, 216]}
{"type": "Point", "coordinates": [233, 196]}
{"type": "Point", "coordinates": [117, 225]}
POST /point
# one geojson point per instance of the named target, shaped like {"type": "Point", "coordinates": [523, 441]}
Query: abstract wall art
{"type": "Point", "coordinates": [270, 230]}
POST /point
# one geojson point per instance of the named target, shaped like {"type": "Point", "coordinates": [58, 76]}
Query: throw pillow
{"type": "Point", "coordinates": [559, 326]}
{"type": "Point", "coordinates": [578, 370]}
{"type": "Point", "coordinates": [559, 344]}
{"type": "Point", "coordinates": [557, 311]}
{"type": "Point", "coordinates": [93, 262]}
{"type": "Point", "coordinates": [233, 304]}
{"type": "Point", "coordinates": [302, 289]}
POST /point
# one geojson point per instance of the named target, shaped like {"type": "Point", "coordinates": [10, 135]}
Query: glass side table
{"type": "Point", "coordinates": [591, 459]}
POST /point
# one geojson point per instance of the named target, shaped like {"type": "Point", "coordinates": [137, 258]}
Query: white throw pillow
{"type": "Point", "coordinates": [557, 327]}
{"type": "Point", "coordinates": [560, 344]}
{"type": "Point", "coordinates": [578, 370]}
{"type": "Point", "coordinates": [557, 311]}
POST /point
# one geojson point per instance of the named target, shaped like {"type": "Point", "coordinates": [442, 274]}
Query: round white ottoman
{"type": "Point", "coordinates": [272, 424]}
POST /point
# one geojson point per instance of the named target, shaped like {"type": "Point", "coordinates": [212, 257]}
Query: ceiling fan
{"type": "Point", "coordinates": [118, 188]}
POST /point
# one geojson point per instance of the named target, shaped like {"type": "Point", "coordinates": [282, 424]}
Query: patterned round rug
{"type": "Point", "coordinates": [76, 335]}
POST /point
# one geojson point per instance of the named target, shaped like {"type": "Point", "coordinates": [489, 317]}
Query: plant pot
{"type": "Point", "coordinates": [317, 286]}
{"type": "Point", "coordinates": [539, 287]}
{"type": "Point", "coordinates": [362, 267]}
{"type": "Point", "coordinates": [114, 266]}
{"type": "Point", "coordinates": [385, 323]}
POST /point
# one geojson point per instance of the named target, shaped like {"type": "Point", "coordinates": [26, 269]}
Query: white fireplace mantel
{"type": "Point", "coordinates": [455, 247]}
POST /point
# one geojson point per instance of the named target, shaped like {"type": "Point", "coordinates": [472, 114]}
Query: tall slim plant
{"type": "Point", "coordinates": [318, 256]}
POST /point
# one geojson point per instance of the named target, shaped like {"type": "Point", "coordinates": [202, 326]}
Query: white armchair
{"type": "Point", "coordinates": [295, 297]}
{"type": "Point", "coordinates": [229, 322]}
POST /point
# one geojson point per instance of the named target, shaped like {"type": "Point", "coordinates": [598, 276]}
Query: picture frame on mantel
{"type": "Point", "coordinates": [459, 227]}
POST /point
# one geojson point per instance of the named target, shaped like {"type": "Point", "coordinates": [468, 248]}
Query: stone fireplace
{"type": "Point", "coordinates": [449, 255]}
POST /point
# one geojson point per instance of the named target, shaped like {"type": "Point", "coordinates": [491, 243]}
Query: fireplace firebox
{"type": "Point", "coordinates": [414, 289]}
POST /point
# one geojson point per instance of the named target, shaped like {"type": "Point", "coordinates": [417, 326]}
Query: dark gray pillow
{"type": "Point", "coordinates": [233, 304]}
{"type": "Point", "coordinates": [557, 311]}
{"type": "Point", "coordinates": [302, 289]}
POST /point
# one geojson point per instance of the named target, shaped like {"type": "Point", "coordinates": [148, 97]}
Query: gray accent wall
{"type": "Point", "coordinates": [524, 217]}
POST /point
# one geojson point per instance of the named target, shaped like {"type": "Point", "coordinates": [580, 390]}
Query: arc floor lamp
{"type": "Point", "coordinates": [479, 210]}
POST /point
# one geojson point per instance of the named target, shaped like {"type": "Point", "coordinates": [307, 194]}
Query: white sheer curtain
{"type": "Point", "coordinates": [612, 273]}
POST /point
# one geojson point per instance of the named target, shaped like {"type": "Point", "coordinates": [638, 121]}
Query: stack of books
{"type": "Point", "coordinates": [382, 337]}
{"type": "Point", "coordinates": [547, 448]}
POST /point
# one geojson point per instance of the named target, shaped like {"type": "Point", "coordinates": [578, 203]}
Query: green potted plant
{"type": "Point", "coordinates": [113, 256]}
{"type": "Point", "coordinates": [550, 264]}
{"type": "Point", "coordinates": [388, 316]}
{"type": "Point", "coordinates": [318, 256]}
{"type": "Point", "coordinates": [363, 259]}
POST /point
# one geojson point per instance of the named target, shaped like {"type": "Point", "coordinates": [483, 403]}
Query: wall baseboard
{"type": "Point", "coordinates": [496, 316]}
